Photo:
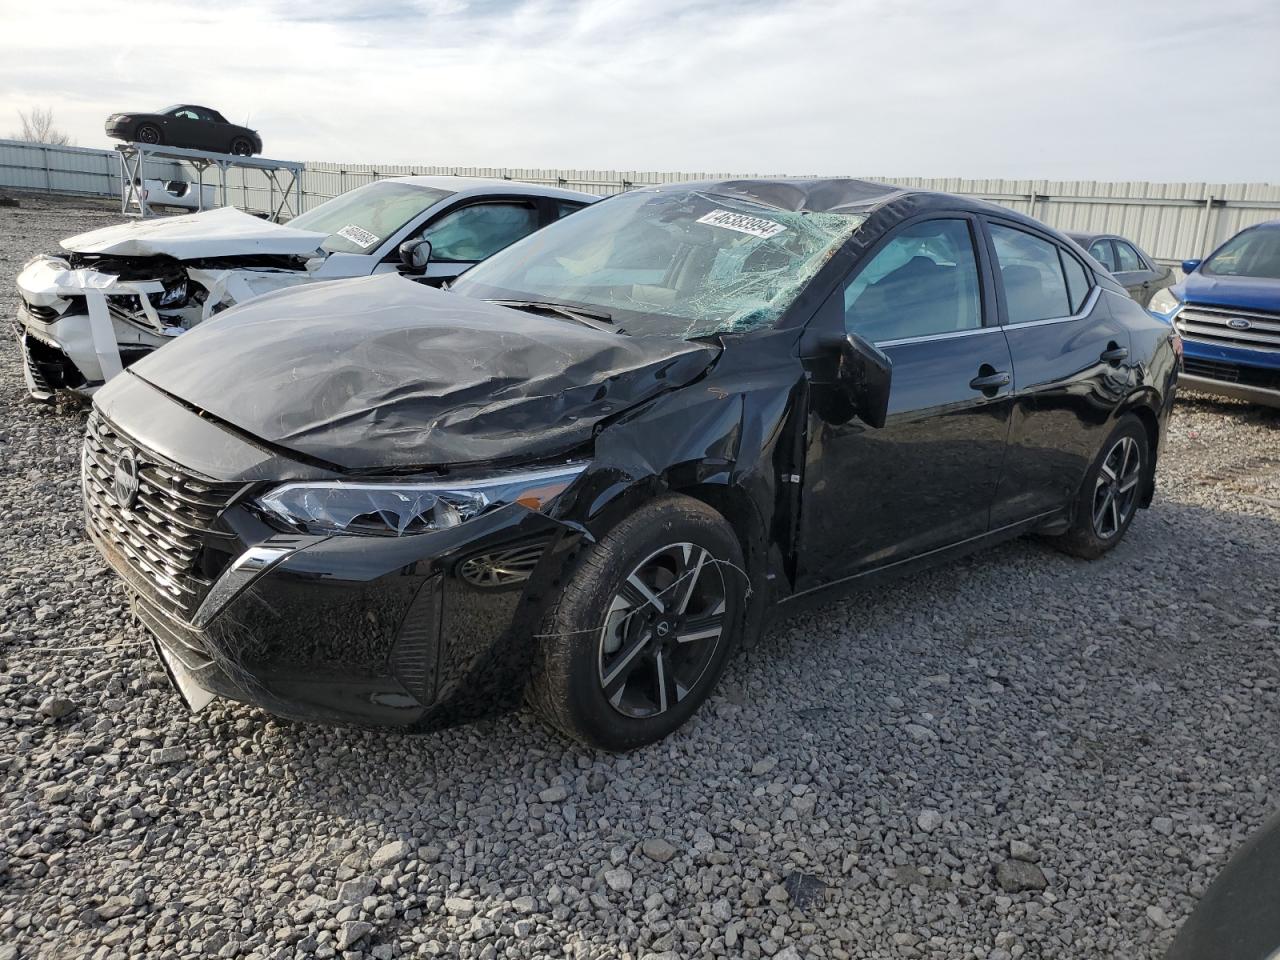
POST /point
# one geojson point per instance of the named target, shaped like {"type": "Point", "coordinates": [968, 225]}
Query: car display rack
{"type": "Point", "coordinates": [284, 177]}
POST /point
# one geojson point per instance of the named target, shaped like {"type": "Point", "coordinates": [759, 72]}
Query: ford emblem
{"type": "Point", "coordinates": [1239, 323]}
{"type": "Point", "coordinates": [125, 480]}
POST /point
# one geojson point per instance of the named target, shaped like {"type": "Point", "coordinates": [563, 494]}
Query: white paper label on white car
{"type": "Point", "coordinates": [743, 223]}
{"type": "Point", "coordinates": [358, 235]}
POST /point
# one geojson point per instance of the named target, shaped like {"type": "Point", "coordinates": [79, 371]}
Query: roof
{"type": "Point", "coordinates": [483, 185]}
{"type": "Point", "coordinates": [1084, 239]}
{"type": "Point", "coordinates": [833, 195]}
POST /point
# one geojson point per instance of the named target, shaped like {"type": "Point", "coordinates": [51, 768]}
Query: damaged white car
{"type": "Point", "coordinates": [118, 293]}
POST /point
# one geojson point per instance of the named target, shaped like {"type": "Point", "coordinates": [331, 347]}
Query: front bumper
{"type": "Point", "coordinates": [412, 632]}
{"type": "Point", "coordinates": [1250, 375]}
{"type": "Point", "coordinates": [67, 350]}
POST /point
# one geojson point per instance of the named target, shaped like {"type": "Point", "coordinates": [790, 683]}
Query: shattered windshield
{"type": "Point", "coordinates": [360, 220]}
{"type": "Point", "coordinates": [678, 263]}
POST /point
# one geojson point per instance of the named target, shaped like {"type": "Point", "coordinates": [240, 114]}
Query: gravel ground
{"type": "Point", "coordinates": [1021, 755]}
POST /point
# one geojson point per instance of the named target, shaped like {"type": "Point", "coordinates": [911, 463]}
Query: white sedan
{"type": "Point", "coordinates": [118, 293]}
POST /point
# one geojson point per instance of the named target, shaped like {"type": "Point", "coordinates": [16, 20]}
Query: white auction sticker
{"type": "Point", "coordinates": [358, 235]}
{"type": "Point", "coordinates": [743, 223]}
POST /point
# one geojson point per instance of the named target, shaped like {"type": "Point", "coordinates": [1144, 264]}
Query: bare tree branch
{"type": "Point", "coordinates": [37, 127]}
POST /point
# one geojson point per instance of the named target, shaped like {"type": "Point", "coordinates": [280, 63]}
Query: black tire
{"type": "Point", "coordinates": [241, 147]}
{"type": "Point", "coordinates": [1108, 501]}
{"type": "Point", "coordinates": [148, 133]}
{"type": "Point", "coordinates": [596, 678]}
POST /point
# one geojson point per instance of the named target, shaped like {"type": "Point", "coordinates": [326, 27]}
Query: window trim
{"type": "Point", "coordinates": [987, 310]}
{"type": "Point", "coordinates": [1094, 289]}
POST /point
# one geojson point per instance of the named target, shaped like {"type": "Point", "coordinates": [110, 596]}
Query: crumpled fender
{"type": "Point", "coordinates": [729, 440]}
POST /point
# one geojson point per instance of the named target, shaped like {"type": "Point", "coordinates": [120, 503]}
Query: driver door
{"type": "Point", "coordinates": [926, 480]}
{"type": "Point", "coordinates": [470, 233]}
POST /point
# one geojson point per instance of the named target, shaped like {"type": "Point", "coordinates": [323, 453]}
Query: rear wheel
{"type": "Point", "coordinates": [643, 628]}
{"type": "Point", "coordinates": [149, 133]}
{"type": "Point", "coordinates": [1112, 490]}
{"type": "Point", "coordinates": [241, 147]}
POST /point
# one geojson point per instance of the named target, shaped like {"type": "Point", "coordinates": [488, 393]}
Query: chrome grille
{"type": "Point", "coordinates": [1256, 329]}
{"type": "Point", "coordinates": [162, 535]}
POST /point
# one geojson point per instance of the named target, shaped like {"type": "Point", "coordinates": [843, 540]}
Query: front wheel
{"type": "Point", "coordinates": [643, 627]}
{"type": "Point", "coordinates": [1112, 490]}
{"type": "Point", "coordinates": [241, 147]}
{"type": "Point", "coordinates": [149, 133]}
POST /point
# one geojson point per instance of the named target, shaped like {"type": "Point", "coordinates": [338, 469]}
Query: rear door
{"type": "Point", "coordinates": [1133, 271]}
{"type": "Point", "coordinates": [1070, 369]}
{"type": "Point", "coordinates": [926, 480]}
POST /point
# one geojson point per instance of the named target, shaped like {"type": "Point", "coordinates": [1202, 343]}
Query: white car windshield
{"type": "Point", "coordinates": [360, 220]}
{"type": "Point", "coordinates": [677, 263]}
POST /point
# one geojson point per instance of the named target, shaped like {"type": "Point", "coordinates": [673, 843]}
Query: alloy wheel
{"type": "Point", "coordinates": [1115, 494]}
{"type": "Point", "coordinates": [662, 630]}
{"type": "Point", "coordinates": [149, 134]}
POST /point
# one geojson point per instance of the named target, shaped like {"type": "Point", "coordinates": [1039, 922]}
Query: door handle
{"type": "Point", "coordinates": [989, 381]}
{"type": "Point", "coordinates": [1114, 353]}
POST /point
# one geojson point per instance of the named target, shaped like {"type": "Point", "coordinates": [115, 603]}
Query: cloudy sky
{"type": "Point", "coordinates": [1116, 90]}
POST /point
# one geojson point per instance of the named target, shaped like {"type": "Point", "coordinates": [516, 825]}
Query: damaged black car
{"type": "Point", "coordinates": [610, 453]}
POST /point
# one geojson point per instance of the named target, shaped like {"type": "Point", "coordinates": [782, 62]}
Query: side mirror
{"type": "Point", "coordinates": [415, 255]}
{"type": "Point", "coordinates": [865, 376]}
{"type": "Point", "coordinates": [1189, 266]}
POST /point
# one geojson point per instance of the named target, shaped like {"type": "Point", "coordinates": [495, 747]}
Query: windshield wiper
{"type": "Point", "coordinates": [590, 318]}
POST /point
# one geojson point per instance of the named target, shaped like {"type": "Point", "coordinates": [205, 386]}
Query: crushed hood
{"type": "Point", "coordinates": [385, 373]}
{"type": "Point", "coordinates": [224, 232]}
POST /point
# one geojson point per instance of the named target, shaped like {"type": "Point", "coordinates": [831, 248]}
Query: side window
{"type": "Point", "coordinates": [1101, 251]}
{"type": "Point", "coordinates": [1127, 257]}
{"type": "Point", "coordinates": [1077, 280]}
{"type": "Point", "coordinates": [923, 281]}
{"type": "Point", "coordinates": [1031, 272]}
{"type": "Point", "coordinates": [566, 207]}
{"type": "Point", "coordinates": [474, 233]}
{"type": "Point", "coordinates": [186, 114]}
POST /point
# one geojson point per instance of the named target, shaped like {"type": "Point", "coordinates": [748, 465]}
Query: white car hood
{"type": "Point", "coordinates": [224, 232]}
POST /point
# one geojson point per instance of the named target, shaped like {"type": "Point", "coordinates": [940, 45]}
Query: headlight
{"type": "Point", "coordinates": [400, 509]}
{"type": "Point", "coordinates": [1164, 303]}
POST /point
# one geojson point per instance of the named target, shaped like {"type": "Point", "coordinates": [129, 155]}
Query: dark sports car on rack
{"type": "Point", "coordinates": [185, 125]}
{"type": "Point", "coordinates": [587, 473]}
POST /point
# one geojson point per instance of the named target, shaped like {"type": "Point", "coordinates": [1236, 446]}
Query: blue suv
{"type": "Point", "coordinates": [1228, 313]}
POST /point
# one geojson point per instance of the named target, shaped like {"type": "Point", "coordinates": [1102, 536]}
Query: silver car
{"type": "Point", "coordinates": [116, 294]}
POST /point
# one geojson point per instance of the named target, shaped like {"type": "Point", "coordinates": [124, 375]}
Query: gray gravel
{"type": "Point", "coordinates": [1020, 755]}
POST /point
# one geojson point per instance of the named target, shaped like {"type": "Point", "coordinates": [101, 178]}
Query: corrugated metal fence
{"type": "Point", "coordinates": [1172, 221]}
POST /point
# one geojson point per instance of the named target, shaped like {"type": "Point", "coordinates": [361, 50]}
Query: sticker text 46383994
{"type": "Point", "coordinates": [743, 223]}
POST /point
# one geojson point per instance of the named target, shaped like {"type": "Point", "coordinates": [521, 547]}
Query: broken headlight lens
{"type": "Point", "coordinates": [401, 509]}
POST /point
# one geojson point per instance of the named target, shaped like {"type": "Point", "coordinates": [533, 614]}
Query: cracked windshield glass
{"type": "Point", "coordinates": [684, 265]}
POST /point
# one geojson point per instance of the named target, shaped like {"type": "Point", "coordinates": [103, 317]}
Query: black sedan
{"type": "Point", "coordinates": [594, 468]}
{"type": "Point", "coordinates": [1128, 263]}
{"type": "Point", "coordinates": [185, 125]}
